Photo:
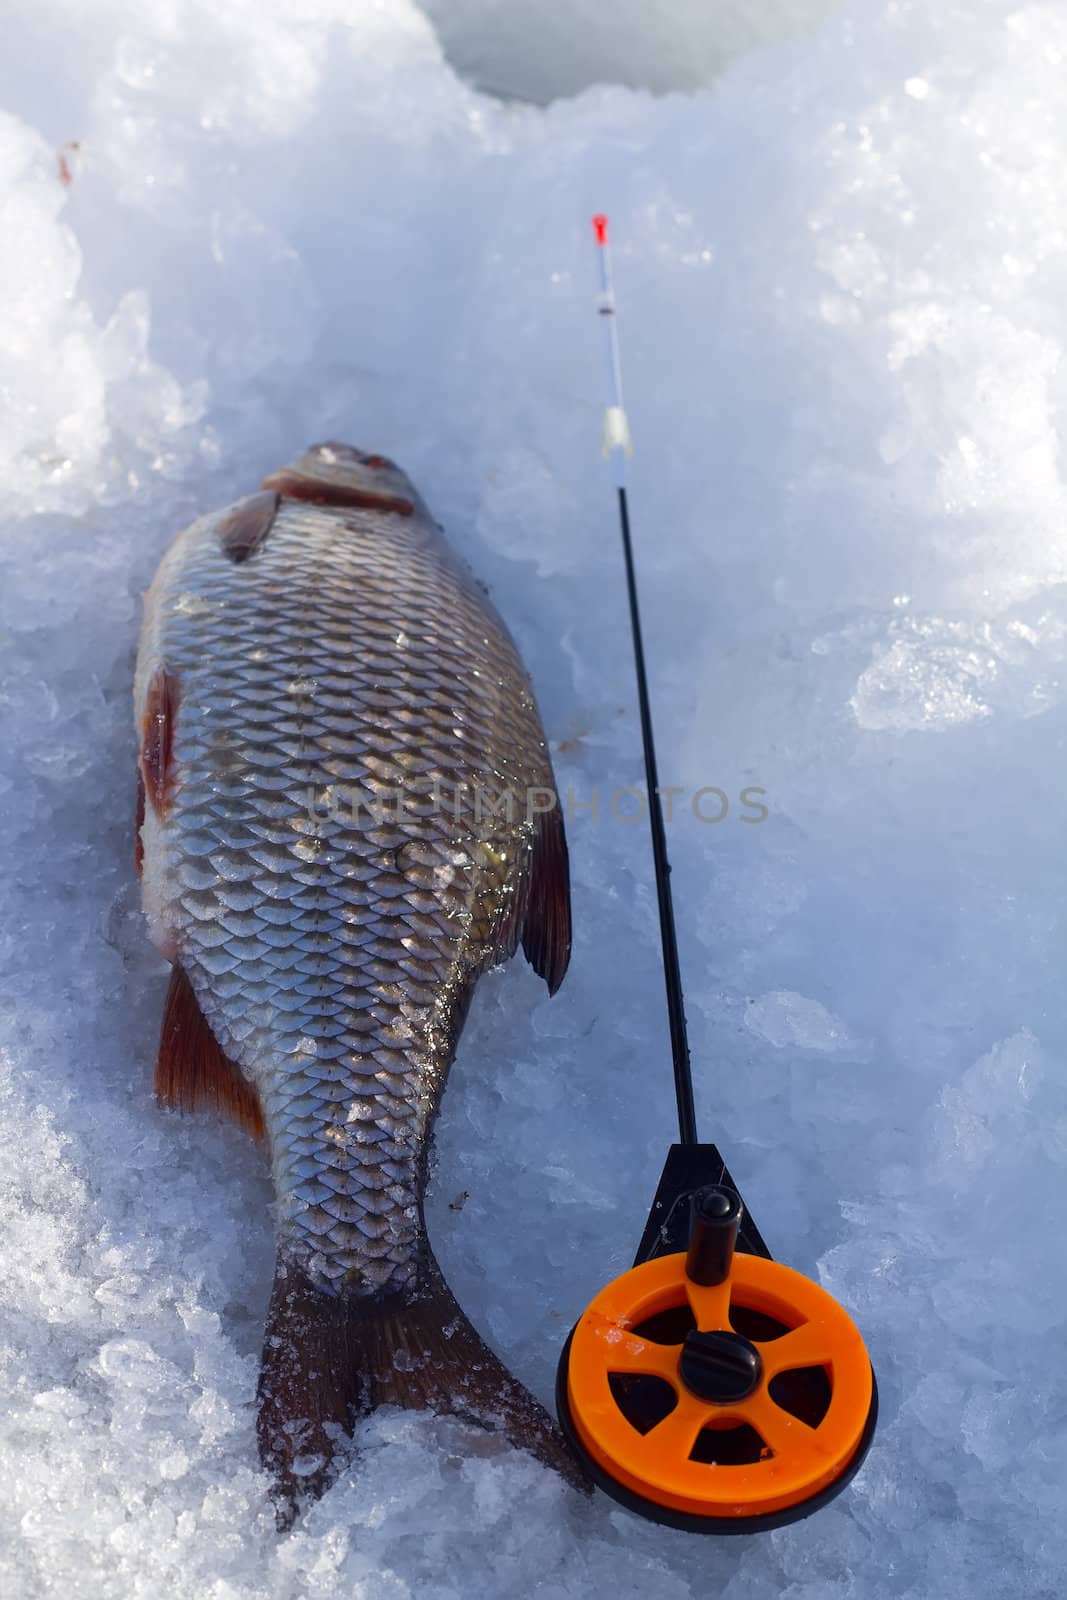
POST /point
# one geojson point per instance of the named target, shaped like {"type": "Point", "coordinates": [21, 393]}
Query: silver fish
{"type": "Point", "coordinates": [348, 813]}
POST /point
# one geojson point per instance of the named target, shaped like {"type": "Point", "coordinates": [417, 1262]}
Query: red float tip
{"type": "Point", "coordinates": [600, 228]}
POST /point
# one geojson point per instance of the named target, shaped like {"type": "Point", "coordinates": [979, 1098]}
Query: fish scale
{"type": "Point", "coordinates": [340, 653]}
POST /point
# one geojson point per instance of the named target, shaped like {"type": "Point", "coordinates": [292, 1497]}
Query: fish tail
{"type": "Point", "coordinates": [330, 1359]}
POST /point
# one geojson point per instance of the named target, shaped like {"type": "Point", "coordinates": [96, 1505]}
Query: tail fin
{"type": "Point", "coordinates": [330, 1359]}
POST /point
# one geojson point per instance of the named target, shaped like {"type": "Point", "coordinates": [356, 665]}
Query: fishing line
{"type": "Point", "coordinates": [617, 447]}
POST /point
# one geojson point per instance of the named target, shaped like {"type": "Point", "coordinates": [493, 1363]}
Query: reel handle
{"type": "Point", "coordinates": [714, 1222]}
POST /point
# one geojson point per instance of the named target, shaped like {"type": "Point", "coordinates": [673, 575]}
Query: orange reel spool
{"type": "Point", "coordinates": [731, 1407]}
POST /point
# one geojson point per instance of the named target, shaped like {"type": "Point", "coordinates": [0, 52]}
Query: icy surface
{"type": "Point", "coordinates": [540, 49]}
{"type": "Point", "coordinates": [842, 280]}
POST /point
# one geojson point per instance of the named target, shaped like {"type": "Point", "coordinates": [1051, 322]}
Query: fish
{"type": "Point", "coordinates": [346, 814]}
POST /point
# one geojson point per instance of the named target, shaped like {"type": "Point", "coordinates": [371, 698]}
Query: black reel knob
{"type": "Point", "coordinates": [720, 1366]}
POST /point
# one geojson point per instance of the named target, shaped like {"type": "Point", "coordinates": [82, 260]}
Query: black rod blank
{"type": "Point", "coordinates": [672, 975]}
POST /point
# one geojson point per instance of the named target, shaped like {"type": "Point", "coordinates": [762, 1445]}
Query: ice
{"type": "Point", "coordinates": [540, 49]}
{"type": "Point", "coordinates": [785, 1019]}
{"type": "Point", "coordinates": [231, 229]}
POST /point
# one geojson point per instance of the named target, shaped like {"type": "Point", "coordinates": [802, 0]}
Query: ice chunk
{"type": "Point", "coordinates": [786, 1019]}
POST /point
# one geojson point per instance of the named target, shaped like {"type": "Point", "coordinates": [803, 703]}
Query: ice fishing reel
{"type": "Point", "coordinates": [710, 1387]}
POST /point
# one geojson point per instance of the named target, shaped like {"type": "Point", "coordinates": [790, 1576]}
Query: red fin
{"type": "Point", "coordinates": [242, 533]}
{"type": "Point", "coordinates": [192, 1071]}
{"type": "Point", "coordinates": [157, 744]}
{"type": "Point", "coordinates": [546, 932]}
{"type": "Point", "coordinates": [138, 842]}
{"type": "Point", "coordinates": [330, 1359]}
{"type": "Point", "coordinates": [295, 486]}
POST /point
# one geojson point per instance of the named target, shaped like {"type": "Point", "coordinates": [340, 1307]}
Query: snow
{"type": "Point", "coordinates": [840, 272]}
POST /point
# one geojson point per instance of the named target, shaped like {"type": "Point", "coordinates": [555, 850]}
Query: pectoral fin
{"type": "Point", "coordinates": [243, 530]}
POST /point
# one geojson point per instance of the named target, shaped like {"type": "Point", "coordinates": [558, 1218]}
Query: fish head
{"type": "Point", "coordinates": [337, 474]}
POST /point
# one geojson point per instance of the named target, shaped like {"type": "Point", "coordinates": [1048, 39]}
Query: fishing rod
{"type": "Point", "coordinates": [707, 1352]}
{"type": "Point", "coordinates": [617, 447]}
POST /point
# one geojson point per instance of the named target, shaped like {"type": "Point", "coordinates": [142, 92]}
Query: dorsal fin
{"type": "Point", "coordinates": [193, 1072]}
{"type": "Point", "coordinates": [243, 530]}
{"type": "Point", "coordinates": [546, 930]}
